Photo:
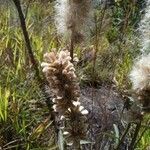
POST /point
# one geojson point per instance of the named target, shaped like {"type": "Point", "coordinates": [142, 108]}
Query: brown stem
{"type": "Point", "coordinates": [72, 46]}
{"type": "Point", "coordinates": [26, 37]}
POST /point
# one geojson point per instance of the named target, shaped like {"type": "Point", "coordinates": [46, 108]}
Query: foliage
{"type": "Point", "coordinates": [24, 117]}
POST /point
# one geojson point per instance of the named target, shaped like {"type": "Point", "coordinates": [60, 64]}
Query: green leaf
{"type": "Point", "coordinates": [116, 133]}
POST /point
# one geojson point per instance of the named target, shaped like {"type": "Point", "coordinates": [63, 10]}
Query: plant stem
{"type": "Point", "coordinates": [137, 129]}
{"type": "Point", "coordinates": [141, 136]}
{"type": "Point", "coordinates": [72, 46]}
{"type": "Point", "coordinates": [26, 37]}
{"type": "Point", "coordinates": [142, 133]}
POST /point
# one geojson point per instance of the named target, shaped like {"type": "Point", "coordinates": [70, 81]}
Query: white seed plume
{"type": "Point", "coordinates": [140, 74]}
{"type": "Point", "coordinates": [71, 16]}
{"type": "Point", "coordinates": [144, 28]}
{"type": "Point", "coordinates": [61, 15]}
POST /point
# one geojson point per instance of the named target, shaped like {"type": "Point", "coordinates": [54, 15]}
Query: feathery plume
{"type": "Point", "coordinates": [140, 77]}
{"type": "Point", "coordinates": [71, 16]}
{"type": "Point", "coordinates": [144, 29]}
{"type": "Point", "coordinates": [140, 74]}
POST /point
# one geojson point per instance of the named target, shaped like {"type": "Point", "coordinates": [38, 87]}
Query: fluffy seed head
{"type": "Point", "coordinates": [71, 17]}
{"type": "Point", "coordinates": [140, 74]}
{"type": "Point", "coordinates": [144, 29]}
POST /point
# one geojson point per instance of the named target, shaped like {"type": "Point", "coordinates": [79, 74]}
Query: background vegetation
{"type": "Point", "coordinates": [24, 117]}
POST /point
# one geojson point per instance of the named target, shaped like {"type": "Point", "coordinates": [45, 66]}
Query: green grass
{"type": "Point", "coordinates": [20, 95]}
{"type": "Point", "coordinates": [19, 91]}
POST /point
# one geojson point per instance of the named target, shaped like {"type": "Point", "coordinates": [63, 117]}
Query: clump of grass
{"type": "Point", "coordinates": [19, 88]}
{"type": "Point", "coordinates": [24, 118]}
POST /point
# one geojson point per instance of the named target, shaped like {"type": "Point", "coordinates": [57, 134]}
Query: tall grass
{"type": "Point", "coordinates": [20, 95]}
{"type": "Point", "coordinates": [24, 118]}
